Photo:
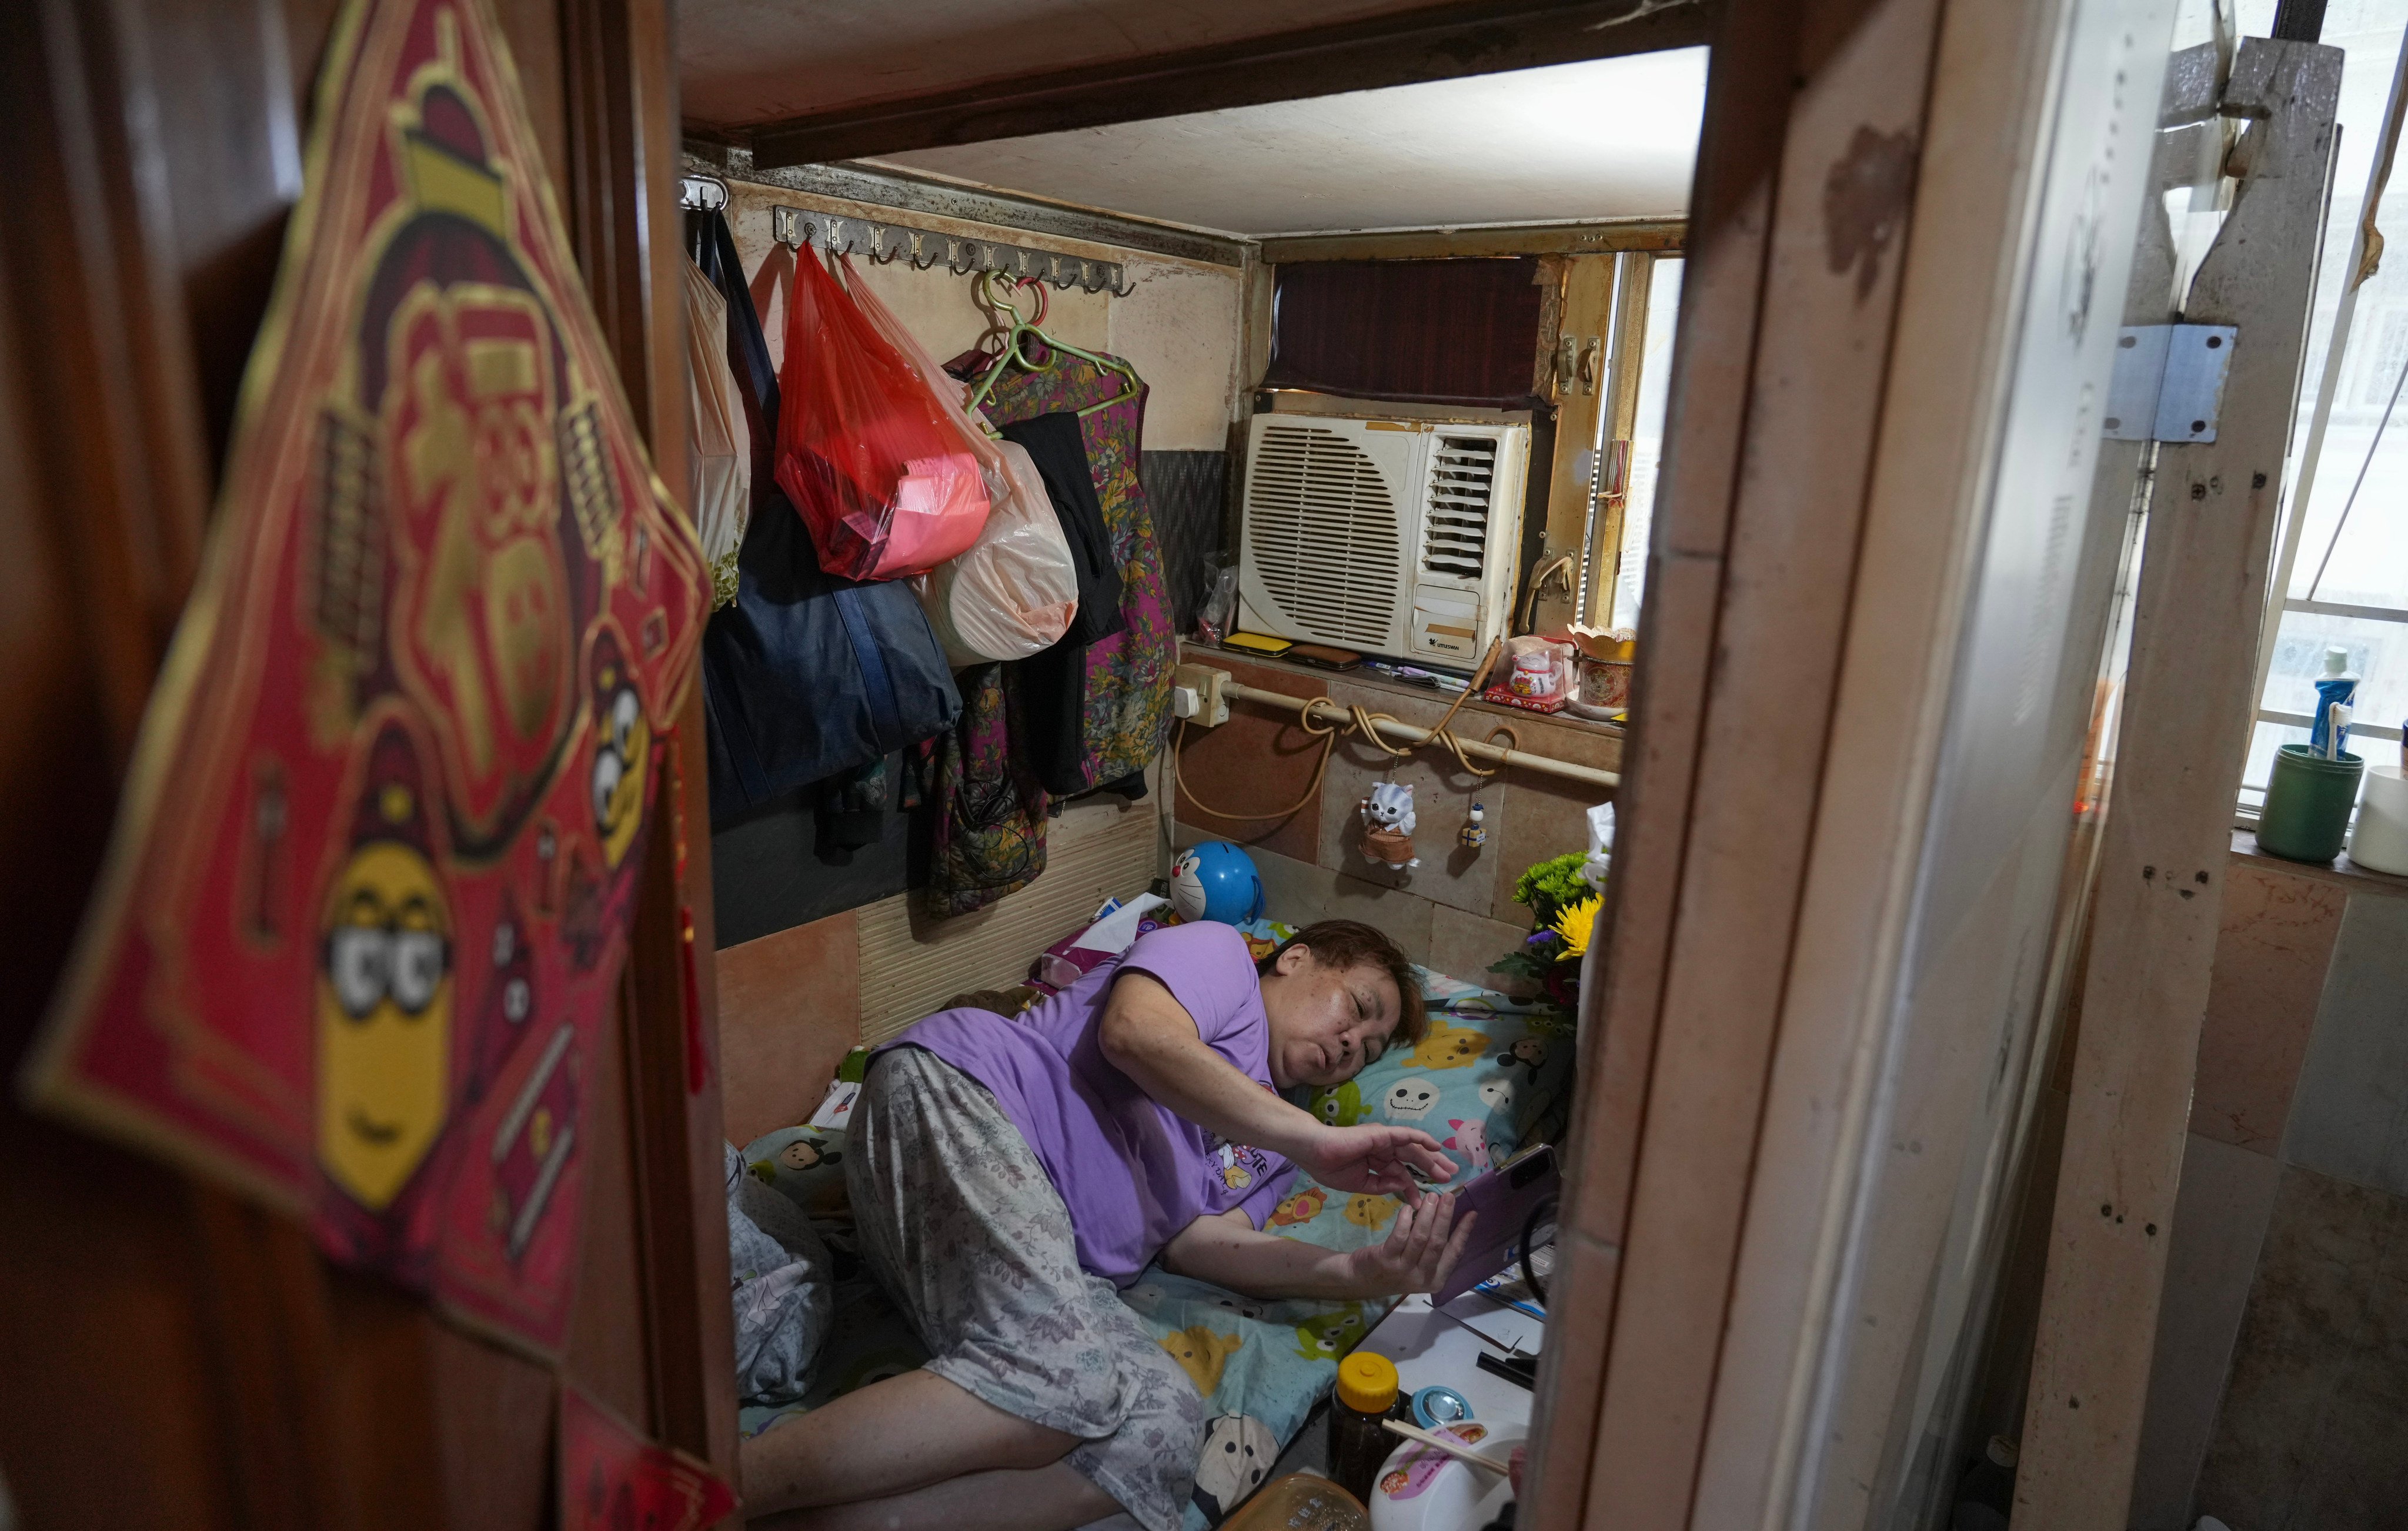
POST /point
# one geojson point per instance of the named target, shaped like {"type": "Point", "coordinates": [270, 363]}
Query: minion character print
{"type": "Point", "coordinates": [384, 986]}
{"type": "Point", "coordinates": [623, 746]}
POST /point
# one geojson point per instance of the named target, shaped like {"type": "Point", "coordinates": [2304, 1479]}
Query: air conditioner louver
{"type": "Point", "coordinates": [1323, 530]}
{"type": "Point", "coordinates": [1462, 482]}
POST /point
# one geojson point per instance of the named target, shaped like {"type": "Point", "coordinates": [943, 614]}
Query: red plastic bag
{"type": "Point", "coordinates": [884, 480]}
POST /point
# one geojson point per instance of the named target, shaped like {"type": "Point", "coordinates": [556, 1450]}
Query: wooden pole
{"type": "Point", "coordinates": [2161, 869]}
{"type": "Point", "coordinates": [1405, 733]}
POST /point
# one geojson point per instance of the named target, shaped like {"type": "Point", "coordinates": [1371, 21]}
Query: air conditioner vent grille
{"type": "Point", "coordinates": [1322, 531]}
{"type": "Point", "coordinates": [1462, 481]}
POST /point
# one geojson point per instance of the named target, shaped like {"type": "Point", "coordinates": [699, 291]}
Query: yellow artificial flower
{"type": "Point", "coordinates": [1574, 924]}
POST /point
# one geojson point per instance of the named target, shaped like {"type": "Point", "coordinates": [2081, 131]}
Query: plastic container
{"type": "Point", "coordinates": [1302, 1501]}
{"type": "Point", "coordinates": [1367, 1394]}
{"type": "Point", "coordinates": [2380, 841]}
{"type": "Point", "coordinates": [2307, 806]}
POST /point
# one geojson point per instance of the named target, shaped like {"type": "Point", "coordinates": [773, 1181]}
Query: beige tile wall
{"type": "Point", "coordinates": [1454, 911]}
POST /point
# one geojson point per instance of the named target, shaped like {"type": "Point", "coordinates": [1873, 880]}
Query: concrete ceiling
{"type": "Point", "coordinates": [1608, 138]}
{"type": "Point", "coordinates": [747, 61]}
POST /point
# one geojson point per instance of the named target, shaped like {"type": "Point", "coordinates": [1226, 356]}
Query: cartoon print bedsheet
{"type": "Point", "coordinates": [1488, 1076]}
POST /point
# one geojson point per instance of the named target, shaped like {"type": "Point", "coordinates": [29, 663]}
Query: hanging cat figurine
{"type": "Point", "coordinates": [1389, 826]}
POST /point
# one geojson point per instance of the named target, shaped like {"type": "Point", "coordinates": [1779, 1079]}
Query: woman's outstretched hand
{"type": "Point", "coordinates": [1371, 1158]}
{"type": "Point", "coordinates": [1419, 1252]}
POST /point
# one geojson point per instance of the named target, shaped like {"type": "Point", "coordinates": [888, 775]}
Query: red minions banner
{"type": "Point", "coordinates": [611, 1479]}
{"type": "Point", "coordinates": [371, 883]}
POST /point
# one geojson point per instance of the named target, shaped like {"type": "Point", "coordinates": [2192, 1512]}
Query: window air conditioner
{"type": "Point", "coordinates": [1398, 536]}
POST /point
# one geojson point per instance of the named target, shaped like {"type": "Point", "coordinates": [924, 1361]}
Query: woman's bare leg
{"type": "Point", "coordinates": [887, 1439]}
{"type": "Point", "coordinates": [1049, 1498]}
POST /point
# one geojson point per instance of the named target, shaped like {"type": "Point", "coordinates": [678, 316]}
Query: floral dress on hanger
{"type": "Point", "coordinates": [989, 840]}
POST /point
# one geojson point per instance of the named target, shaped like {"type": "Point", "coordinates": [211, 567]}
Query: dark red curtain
{"type": "Point", "coordinates": [1434, 332]}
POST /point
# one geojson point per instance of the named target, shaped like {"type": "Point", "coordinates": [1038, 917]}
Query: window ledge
{"type": "Point", "coordinates": [2341, 869]}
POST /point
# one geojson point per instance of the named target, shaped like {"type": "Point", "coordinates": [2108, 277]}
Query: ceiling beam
{"type": "Point", "coordinates": [1438, 42]}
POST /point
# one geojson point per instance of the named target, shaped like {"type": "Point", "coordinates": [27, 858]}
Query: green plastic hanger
{"type": "Point", "coordinates": [1015, 341]}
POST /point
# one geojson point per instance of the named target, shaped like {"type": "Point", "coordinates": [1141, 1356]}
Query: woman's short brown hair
{"type": "Point", "coordinates": [1345, 944]}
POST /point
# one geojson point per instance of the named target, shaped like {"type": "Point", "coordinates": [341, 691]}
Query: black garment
{"type": "Point", "coordinates": [1048, 691]}
{"type": "Point", "coordinates": [1054, 444]}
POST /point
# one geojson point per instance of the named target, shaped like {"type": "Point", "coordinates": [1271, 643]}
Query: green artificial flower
{"type": "Point", "coordinates": [1552, 884]}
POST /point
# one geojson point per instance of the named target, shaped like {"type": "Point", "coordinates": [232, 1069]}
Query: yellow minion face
{"type": "Point", "coordinates": [622, 742]}
{"type": "Point", "coordinates": [384, 1015]}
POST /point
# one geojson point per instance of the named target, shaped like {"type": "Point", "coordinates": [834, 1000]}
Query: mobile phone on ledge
{"type": "Point", "coordinates": [1504, 1198]}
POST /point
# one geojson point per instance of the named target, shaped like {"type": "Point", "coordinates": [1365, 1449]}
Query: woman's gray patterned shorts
{"type": "Point", "coordinates": [963, 1227]}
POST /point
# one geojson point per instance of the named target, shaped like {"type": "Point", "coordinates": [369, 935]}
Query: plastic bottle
{"type": "Point", "coordinates": [1358, 1446]}
{"type": "Point", "coordinates": [2337, 685]}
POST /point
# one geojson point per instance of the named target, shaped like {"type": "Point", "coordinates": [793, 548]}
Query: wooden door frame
{"type": "Point", "coordinates": [1845, 300]}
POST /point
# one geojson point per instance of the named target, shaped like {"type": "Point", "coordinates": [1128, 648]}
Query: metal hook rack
{"type": "Point", "coordinates": [885, 243]}
{"type": "Point", "coordinates": [702, 193]}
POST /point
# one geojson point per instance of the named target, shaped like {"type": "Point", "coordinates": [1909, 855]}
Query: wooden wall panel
{"type": "Point", "coordinates": [790, 1009]}
{"type": "Point", "coordinates": [98, 1276]}
{"type": "Point", "coordinates": [609, 1334]}
{"type": "Point", "coordinates": [155, 146]}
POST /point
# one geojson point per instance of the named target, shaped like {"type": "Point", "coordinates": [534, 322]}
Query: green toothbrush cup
{"type": "Point", "coordinates": [2308, 801]}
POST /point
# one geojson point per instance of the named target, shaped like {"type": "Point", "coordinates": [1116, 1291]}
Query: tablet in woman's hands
{"type": "Point", "coordinates": [1505, 1198]}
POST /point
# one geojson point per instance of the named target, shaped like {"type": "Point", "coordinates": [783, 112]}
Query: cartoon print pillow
{"type": "Point", "coordinates": [1483, 1082]}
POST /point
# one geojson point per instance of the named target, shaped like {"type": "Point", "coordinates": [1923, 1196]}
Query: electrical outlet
{"type": "Point", "coordinates": [1196, 697]}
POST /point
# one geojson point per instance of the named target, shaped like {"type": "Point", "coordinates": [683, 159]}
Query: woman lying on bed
{"type": "Point", "coordinates": [1009, 1176]}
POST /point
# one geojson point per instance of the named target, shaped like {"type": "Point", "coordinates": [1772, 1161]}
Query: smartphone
{"type": "Point", "coordinates": [1504, 1198]}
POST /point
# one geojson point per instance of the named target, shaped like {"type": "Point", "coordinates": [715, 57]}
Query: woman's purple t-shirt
{"type": "Point", "coordinates": [1131, 1172]}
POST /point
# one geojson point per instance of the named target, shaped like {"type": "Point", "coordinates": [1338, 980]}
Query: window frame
{"type": "Point", "coordinates": [2358, 372]}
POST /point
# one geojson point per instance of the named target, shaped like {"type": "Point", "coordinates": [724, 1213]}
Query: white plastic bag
{"type": "Point", "coordinates": [1012, 591]}
{"type": "Point", "coordinates": [719, 461]}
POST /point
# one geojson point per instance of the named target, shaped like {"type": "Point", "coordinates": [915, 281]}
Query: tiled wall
{"type": "Point", "coordinates": [1456, 911]}
{"type": "Point", "coordinates": [2278, 1396]}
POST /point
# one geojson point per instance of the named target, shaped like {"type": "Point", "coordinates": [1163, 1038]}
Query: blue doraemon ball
{"type": "Point", "coordinates": [1216, 880]}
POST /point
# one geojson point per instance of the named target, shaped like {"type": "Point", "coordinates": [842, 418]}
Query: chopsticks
{"type": "Point", "coordinates": [1454, 1449]}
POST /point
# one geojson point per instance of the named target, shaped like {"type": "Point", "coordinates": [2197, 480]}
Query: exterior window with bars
{"type": "Point", "coordinates": [2342, 561]}
{"type": "Point", "coordinates": [2340, 576]}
